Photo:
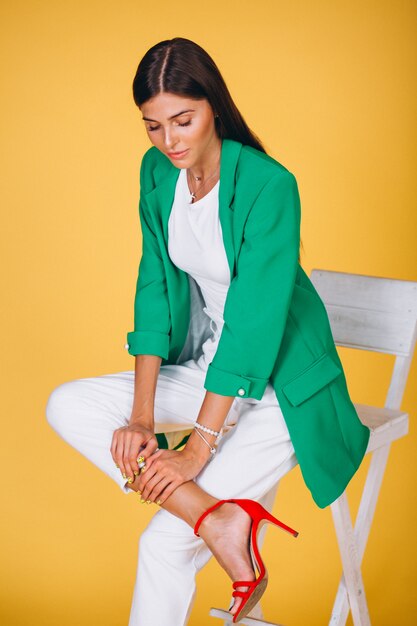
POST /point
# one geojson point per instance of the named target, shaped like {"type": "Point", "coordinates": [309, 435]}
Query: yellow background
{"type": "Point", "coordinates": [330, 89]}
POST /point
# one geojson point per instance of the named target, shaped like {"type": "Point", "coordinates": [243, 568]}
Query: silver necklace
{"type": "Point", "coordinates": [194, 193]}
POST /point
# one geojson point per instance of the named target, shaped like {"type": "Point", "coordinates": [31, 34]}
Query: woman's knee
{"type": "Point", "coordinates": [59, 403]}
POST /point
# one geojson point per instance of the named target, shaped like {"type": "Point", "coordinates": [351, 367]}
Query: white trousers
{"type": "Point", "coordinates": [253, 454]}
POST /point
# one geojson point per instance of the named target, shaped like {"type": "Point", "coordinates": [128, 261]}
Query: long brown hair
{"type": "Point", "coordinates": [182, 67]}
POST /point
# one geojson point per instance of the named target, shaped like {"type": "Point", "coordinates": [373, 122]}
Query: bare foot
{"type": "Point", "coordinates": [226, 531]}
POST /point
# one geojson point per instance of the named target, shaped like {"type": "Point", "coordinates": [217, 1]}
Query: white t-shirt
{"type": "Point", "coordinates": [195, 245]}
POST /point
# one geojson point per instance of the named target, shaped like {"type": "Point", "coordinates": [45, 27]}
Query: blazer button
{"type": "Point", "coordinates": [127, 346]}
{"type": "Point", "coordinates": [241, 391]}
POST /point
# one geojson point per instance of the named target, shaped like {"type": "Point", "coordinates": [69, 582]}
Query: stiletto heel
{"type": "Point", "coordinates": [256, 588]}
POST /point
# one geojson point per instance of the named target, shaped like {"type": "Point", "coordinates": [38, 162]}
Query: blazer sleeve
{"type": "Point", "coordinates": [259, 295]}
{"type": "Point", "coordinates": [152, 323]}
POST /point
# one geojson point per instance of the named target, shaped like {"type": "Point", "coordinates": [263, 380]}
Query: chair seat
{"type": "Point", "coordinates": [386, 424]}
{"type": "Point", "coordinates": [246, 621]}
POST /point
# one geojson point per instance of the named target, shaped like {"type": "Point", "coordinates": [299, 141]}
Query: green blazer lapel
{"type": "Point", "coordinates": [161, 197]}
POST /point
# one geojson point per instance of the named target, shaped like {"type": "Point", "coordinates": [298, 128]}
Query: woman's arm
{"type": "Point", "coordinates": [152, 321]}
{"type": "Point", "coordinates": [138, 435]}
{"type": "Point", "coordinates": [147, 368]}
{"type": "Point", "coordinates": [212, 414]}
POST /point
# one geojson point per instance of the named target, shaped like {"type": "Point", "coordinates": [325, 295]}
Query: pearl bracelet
{"type": "Point", "coordinates": [207, 430]}
{"type": "Point", "coordinates": [212, 448]}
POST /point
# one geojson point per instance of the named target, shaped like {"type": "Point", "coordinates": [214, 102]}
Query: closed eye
{"type": "Point", "coordinates": [185, 124]}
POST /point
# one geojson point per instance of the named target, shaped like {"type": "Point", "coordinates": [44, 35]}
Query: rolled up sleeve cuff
{"type": "Point", "coordinates": [229, 384]}
{"type": "Point", "coordinates": [147, 342]}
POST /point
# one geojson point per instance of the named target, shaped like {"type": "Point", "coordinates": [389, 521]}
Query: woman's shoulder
{"type": "Point", "coordinates": [256, 169]}
{"type": "Point", "coordinates": [256, 162]}
{"type": "Point", "coordinates": [151, 157]}
{"type": "Point", "coordinates": [149, 162]}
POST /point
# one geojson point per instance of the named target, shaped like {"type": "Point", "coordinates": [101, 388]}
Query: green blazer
{"type": "Point", "coordinates": [276, 326]}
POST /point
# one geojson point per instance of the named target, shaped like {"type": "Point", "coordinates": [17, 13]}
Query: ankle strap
{"type": "Point", "coordinates": [206, 512]}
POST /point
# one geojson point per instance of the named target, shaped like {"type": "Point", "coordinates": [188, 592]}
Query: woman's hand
{"type": "Point", "coordinates": [128, 443]}
{"type": "Point", "coordinates": [165, 471]}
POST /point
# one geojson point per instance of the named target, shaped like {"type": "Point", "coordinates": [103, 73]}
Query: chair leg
{"type": "Point", "coordinates": [357, 543]}
{"type": "Point", "coordinates": [350, 560]}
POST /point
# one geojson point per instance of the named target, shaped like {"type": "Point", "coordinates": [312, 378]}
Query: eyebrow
{"type": "Point", "coordinates": [170, 118]}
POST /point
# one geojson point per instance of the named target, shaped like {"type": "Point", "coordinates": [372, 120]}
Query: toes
{"type": "Point", "coordinates": [235, 605]}
{"type": "Point", "coordinates": [237, 600]}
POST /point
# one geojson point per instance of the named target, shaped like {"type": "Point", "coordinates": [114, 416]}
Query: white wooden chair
{"type": "Point", "coordinates": [379, 315]}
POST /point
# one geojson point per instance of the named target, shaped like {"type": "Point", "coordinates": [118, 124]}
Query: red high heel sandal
{"type": "Point", "coordinates": [259, 516]}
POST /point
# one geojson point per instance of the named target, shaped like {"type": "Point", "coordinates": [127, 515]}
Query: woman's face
{"type": "Point", "coordinates": [178, 124]}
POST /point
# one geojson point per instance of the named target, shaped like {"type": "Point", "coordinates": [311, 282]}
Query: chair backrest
{"type": "Point", "coordinates": [372, 313]}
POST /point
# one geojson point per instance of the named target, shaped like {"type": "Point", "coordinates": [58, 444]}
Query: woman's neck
{"type": "Point", "coordinates": [208, 163]}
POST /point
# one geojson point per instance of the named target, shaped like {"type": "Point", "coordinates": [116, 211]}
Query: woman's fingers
{"type": "Point", "coordinates": [127, 438]}
{"type": "Point", "coordinates": [134, 447]}
{"type": "Point", "coordinates": [120, 447]}
{"type": "Point", "coordinates": [159, 480]}
{"type": "Point", "coordinates": [118, 450]}
{"type": "Point", "coordinates": [128, 445]}
{"type": "Point", "coordinates": [152, 457]}
{"type": "Point", "coordinates": [145, 477]}
{"type": "Point", "coordinates": [151, 468]}
{"type": "Point", "coordinates": [165, 493]}
{"type": "Point", "coordinates": [135, 453]}
{"type": "Point", "coordinates": [149, 448]}
{"type": "Point", "coordinates": [143, 453]}
{"type": "Point", "coordinates": [114, 445]}
{"type": "Point", "coordinates": [132, 443]}
{"type": "Point", "coordinates": [156, 491]}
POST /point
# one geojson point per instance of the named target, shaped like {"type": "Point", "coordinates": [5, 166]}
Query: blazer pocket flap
{"type": "Point", "coordinates": [310, 380]}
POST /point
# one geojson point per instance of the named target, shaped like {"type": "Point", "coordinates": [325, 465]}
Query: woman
{"type": "Point", "coordinates": [232, 343]}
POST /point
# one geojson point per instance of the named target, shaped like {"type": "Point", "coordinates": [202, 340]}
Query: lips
{"type": "Point", "coordinates": [177, 155]}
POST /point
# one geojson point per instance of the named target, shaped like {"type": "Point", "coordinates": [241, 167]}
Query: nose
{"type": "Point", "coordinates": [170, 140]}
